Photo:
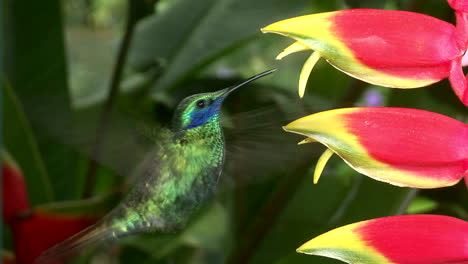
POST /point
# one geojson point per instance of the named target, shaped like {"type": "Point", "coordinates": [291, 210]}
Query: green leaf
{"type": "Point", "coordinates": [208, 230]}
{"type": "Point", "coordinates": [421, 205]}
{"type": "Point", "coordinates": [21, 144]}
{"type": "Point", "coordinates": [191, 34]}
{"type": "Point", "coordinates": [35, 66]}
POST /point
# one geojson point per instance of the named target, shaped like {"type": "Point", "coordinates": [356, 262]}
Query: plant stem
{"type": "Point", "coordinates": [135, 11]}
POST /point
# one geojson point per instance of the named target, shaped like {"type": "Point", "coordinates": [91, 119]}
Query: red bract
{"type": "Point", "coordinates": [385, 47]}
{"type": "Point", "coordinates": [14, 193]}
{"type": "Point", "coordinates": [409, 239]}
{"type": "Point", "coordinates": [459, 5]}
{"type": "Point", "coordinates": [376, 38]}
{"type": "Point", "coordinates": [33, 231]}
{"type": "Point", "coordinates": [40, 231]}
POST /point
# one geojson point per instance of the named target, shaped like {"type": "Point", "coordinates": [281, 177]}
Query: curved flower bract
{"type": "Point", "coordinates": [41, 230]}
{"type": "Point", "coordinates": [14, 194]}
{"type": "Point", "coordinates": [408, 239]}
{"type": "Point", "coordinates": [459, 5]}
{"type": "Point", "coordinates": [384, 47]}
{"type": "Point", "coordinates": [34, 230]}
{"type": "Point", "coordinates": [400, 146]}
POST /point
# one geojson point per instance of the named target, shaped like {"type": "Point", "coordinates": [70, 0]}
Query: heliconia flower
{"type": "Point", "coordinates": [400, 146]}
{"type": "Point", "coordinates": [14, 194]}
{"type": "Point", "coordinates": [390, 48]}
{"type": "Point", "coordinates": [33, 230]}
{"type": "Point", "coordinates": [39, 231]}
{"type": "Point", "coordinates": [407, 239]}
{"type": "Point", "coordinates": [460, 6]}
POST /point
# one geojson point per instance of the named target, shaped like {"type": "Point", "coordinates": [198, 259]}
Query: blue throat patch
{"type": "Point", "coordinates": [202, 116]}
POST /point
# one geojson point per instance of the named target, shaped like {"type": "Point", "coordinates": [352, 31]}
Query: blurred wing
{"type": "Point", "coordinates": [124, 144]}
{"type": "Point", "coordinates": [258, 148]}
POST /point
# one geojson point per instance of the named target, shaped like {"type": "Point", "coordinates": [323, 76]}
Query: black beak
{"type": "Point", "coordinates": [229, 90]}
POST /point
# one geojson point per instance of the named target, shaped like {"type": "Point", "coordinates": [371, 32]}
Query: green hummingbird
{"type": "Point", "coordinates": [187, 166]}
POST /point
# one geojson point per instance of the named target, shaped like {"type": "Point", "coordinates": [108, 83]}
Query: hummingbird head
{"type": "Point", "coordinates": [200, 109]}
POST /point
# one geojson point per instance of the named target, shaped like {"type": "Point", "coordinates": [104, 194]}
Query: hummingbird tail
{"type": "Point", "coordinates": [72, 245]}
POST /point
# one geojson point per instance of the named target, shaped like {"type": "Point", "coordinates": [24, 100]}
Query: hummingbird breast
{"type": "Point", "coordinates": [187, 168]}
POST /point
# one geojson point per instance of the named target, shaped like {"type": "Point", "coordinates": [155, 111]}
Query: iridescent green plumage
{"type": "Point", "coordinates": [187, 165]}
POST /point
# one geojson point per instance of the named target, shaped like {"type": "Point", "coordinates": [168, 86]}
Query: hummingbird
{"type": "Point", "coordinates": [186, 168]}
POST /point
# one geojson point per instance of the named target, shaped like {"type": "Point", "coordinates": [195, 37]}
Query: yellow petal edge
{"type": "Point", "coordinates": [305, 72]}
{"type": "Point", "coordinates": [293, 48]}
{"type": "Point", "coordinates": [322, 161]}
{"type": "Point", "coordinates": [344, 244]}
{"type": "Point", "coordinates": [307, 141]}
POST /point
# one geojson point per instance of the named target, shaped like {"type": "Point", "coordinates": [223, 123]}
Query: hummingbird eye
{"type": "Point", "coordinates": [201, 103]}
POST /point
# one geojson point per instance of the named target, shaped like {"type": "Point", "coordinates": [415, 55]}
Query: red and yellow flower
{"type": "Point", "coordinates": [400, 146]}
{"type": "Point", "coordinates": [408, 239]}
{"type": "Point", "coordinates": [33, 230]}
{"type": "Point", "coordinates": [384, 47]}
{"type": "Point", "coordinates": [14, 194]}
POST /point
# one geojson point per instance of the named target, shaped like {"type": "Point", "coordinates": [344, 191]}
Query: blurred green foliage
{"type": "Point", "coordinates": [60, 57]}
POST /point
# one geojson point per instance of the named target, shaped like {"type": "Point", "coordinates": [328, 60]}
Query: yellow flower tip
{"type": "Point", "coordinates": [294, 127]}
{"type": "Point", "coordinates": [272, 28]}
{"type": "Point", "coordinates": [280, 56]}
{"type": "Point", "coordinates": [306, 141]}
{"type": "Point", "coordinates": [322, 161]}
{"type": "Point", "coordinates": [287, 128]}
{"type": "Point", "coordinates": [299, 250]}
{"type": "Point", "coordinates": [269, 29]}
{"type": "Point", "coordinates": [305, 72]}
{"type": "Point", "coordinates": [295, 47]}
{"type": "Point", "coordinates": [310, 247]}
{"type": "Point", "coordinates": [287, 26]}
{"type": "Point", "coordinates": [339, 238]}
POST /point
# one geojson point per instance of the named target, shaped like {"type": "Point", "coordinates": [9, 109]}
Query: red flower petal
{"type": "Point", "coordinates": [42, 230]}
{"type": "Point", "coordinates": [15, 198]}
{"type": "Point", "coordinates": [418, 239]}
{"type": "Point", "coordinates": [459, 5]}
{"type": "Point", "coordinates": [410, 140]}
{"type": "Point", "coordinates": [399, 43]}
